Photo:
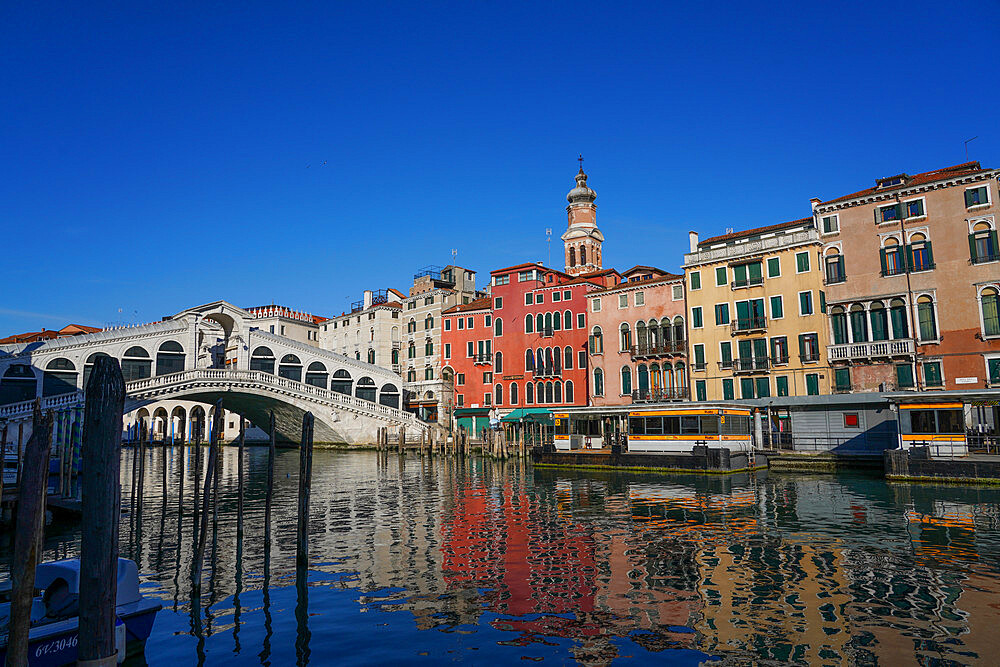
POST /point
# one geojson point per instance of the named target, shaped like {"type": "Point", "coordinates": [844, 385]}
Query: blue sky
{"type": "Point", "coordinates": [158, 157]}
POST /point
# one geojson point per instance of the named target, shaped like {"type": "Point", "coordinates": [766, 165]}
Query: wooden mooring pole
{"type": "Point", "coordinates": [210, 479]}
{"type": "Point", "coordinates": [305, 481]}
{"type": "Point", "coordinates": [101, 504]}
{"type": "Point", "coordinates": [30, 515]}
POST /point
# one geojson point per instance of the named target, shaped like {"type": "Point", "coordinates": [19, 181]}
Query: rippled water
{"type": "Point", "coordinates": [419, 561]}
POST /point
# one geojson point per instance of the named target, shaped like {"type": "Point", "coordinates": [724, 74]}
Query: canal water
{"type": "Point", "coordinates": [417, 561]}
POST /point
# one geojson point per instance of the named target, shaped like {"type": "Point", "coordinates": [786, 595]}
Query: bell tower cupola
{"type": "Point", "coordinates": [582, 239]}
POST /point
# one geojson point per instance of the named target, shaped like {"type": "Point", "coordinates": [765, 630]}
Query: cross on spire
{"type": "Point", "coordinates": [580, 160]}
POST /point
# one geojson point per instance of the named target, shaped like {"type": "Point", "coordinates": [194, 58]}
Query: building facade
{"type": "Point", "coordinates": [295, 324]}
{"type": "Point", "coordinates": [582, 239]}
{"type": "Point", "coordinates": [467, 355]}
{"type": "Point", "coordinates": [912, 271]}
{"type": "Point", "coordinates": [640, 338]}
{"type": "Point", "coordinates": [370, 332]}
{"type": "Point", "coordinates": [756, 321]}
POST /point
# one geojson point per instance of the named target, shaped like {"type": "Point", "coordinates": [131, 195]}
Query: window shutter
{"type": "Point", "coordinates": [802, 345]}
{"type": "Point", "coordinates": [899, 211]}
{"type": "Point", "coordinates": [822, 301]}
{"type": "Point", "coordinates": [972, 247]}
{"type": "Point", "coordinates": [968, 198]}
{"type": "Point", "coordinates": [993, 244]}
{"type": "Point", "coordinates": [908, 257]}
{"type": "Point", "coordinates": [881, 256]}
{"type": "Point", "coordinates": [840, 266]}
{"type": "Point", "coordinates": [875, 212]}
{"type": "Point", "coordinates": [930, 253]}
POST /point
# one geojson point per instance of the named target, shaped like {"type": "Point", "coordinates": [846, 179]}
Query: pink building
{"type": "Point", "coordinates": [638, 345]}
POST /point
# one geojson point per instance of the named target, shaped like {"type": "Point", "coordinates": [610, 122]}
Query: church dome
{"type": "Point", "coordinates": [581, 194]}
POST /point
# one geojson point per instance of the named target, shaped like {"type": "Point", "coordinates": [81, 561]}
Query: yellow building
{"type": "Point", "coordinates": [756, 313]}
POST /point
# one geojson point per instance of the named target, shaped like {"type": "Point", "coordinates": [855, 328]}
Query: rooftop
{"type": "Point", "coordinates": [484, 303]}
{"type": "Point", "coordinates": [756, 231]}
{"type": "Point", "coordinates": [904, 181]}
{"type": "Point", "coordinates": [49, 334]}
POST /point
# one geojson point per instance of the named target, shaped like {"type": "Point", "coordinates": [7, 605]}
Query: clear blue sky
{"type": "Point", "coordinates": [155, 158]}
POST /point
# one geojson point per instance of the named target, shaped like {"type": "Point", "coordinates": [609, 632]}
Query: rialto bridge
{"type": "Point", "coordinates": [203, 354]}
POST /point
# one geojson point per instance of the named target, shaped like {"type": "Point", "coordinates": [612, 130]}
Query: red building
{"type": "Point", "coordinates": [467, 359]}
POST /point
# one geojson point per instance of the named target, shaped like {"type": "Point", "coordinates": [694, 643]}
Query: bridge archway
{"type": "Point", "coordinates": [136, 364]}
{"type": "Point", "coordinates": [262, 359]}
{"type": "Point", "coordinates": [341, 382]}
{"type": "Point", "coordinates": [59, 377]}
{"type": "Point", "coordinates": [316, 374]}
{"type": "Point", "coordinates": [365, 389]}
{"type": "Point", "coordinates": [18, 384]}
{"type": "Point", "coordinates": [169, 358]}
{"type": "Point", "coordinates": [290, 368]}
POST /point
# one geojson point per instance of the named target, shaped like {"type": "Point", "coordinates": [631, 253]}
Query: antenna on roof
{"type": "Point", "coordinates": [729, 230]}
{"type": "Point", "coordinates": [548, 243]}
{"type": "Point", "coordinates": [967, 146]}
{"type": "Point", "coordinates": [454, 256]}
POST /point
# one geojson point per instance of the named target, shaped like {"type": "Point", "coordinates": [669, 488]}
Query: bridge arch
{"type": "Point", "coordinates": [342, 382]}
{"type": "Point", "coordinates": [18, 384]}
{"type": "Point", "coordinates": [136, 363]}
{"type": "Point", "coordinates": [169, 358]}
{"type": "Point", "coordinates": [262, 359]}
{"type": "Point", "coordinates": [389, 395]}
{"type": "Point", "coordinates": [316, 374]}
{"type": "Point", "coordinates": [59, 377]}
{"type": "Point", "coordinates": [290, 367]}
{"type": "Point", "coordinates": [365, 389]}
{"type": "Point", "coordinates": [88, 366]}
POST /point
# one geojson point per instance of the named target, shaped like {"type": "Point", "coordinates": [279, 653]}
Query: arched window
{"type": "Point", "coordinates": [498, 394]}
{"type": "Point", "coordinates": [569, 391]}
{"type": "Point", "coordinates": [549, 393]}
{"type": "Point", "coordinates": [643, 381]}
{"type": "Point", "coordinates": [498, 362]}
{"type": "Point", "coordinates": [88, 366]}
{"type": "Point", "coordinates": [879, 320]}
{"type": "Point", "coordinates": [899, 319]}
{"type": "Point", "coordinates": [557, 361]}
{"type": "Point", "coordinates": [859, 323]}
{"type": "Point", "coordinates": [679, 330]}
{"type": "Point", "coordinates": [598, 382]}
{"type": "Point", "coordinates": [169, 358]}
{"type": "Point", "coordinates": [529, 323]}
{"type": "Point", "coordinates": [411, 326]}
{"type": "Point", "coordinates": [641, 340]}
{"type": "Point", "coordinates": [892, 257]}
{"type": "Point", "coordinates": [365, 389]}
{"type": "Point", "coordinates": [513, 393]}
{"type": "Point", "coordinates": [316, 374]}
{"type": "Point", "coordinates": [411, 350]}
{"type": "Point", "coordinates": [395, 356]}
{"type": "Point", "coordinates": [991, 313]}
{"type": "Point", "coordinates": [341, 382]}
{"type": "Point", "coordinates": [389, 395]}
{"type": "Point", "coordinates": [596, 341]}
{"type": "Point", "coordinates": [540, 391]}
{"type": "Point", "coordinates": [497, 327]}
{"type": "Point", "coordinates": [539, 323]}
{"type": "Point", "coordinates": [567, 320]}
{"type": "Point", "coordinates": [59, 378]}
{"type": "Point", "coordinates": [18, 384]}
{"type": "Point", "coordinates": [653, 331]}
{"type": "Point", "coordinates": [838, 322]}
{"type": "Point", "coordinates": [262, 360]}
{"type": "Point", "coordinates": [371, 356]}
{"type": "Point", "coordinates": [529, 360]}
{"type": "Point", "coordinates": [681, 372]}
{"type": "Point", "coordinates": [626, 380]}
{"type": "Point", "coordinates": [654, 376]}
{"type": "Point", "coordinates": [549, 366]}
{"type": "Point", "coordinates": [429, 373]}
{"type": "Point", "coordinates": [583, 255]}
{"type": "Point", "coordinates": [556, 321]}
{"type": "Point", "coordinates": [540, 362]}
{"type": "Point", "coordinates": [925, 318]}
{"type": "Point", "coordinates": [290, 368]}
{"type": "Point", "coordinates": [529, 393]}
{"type": "Point", "coordinates": [136, 364]}
{"type": "Point", "coordinates": [625, 337]}
{"type": "Point", "coordinates": [548, 323]}
{"type": "Point", "coordinates": [411, 375]}
{"type": "Point", "coordinates": [428, 323]}
{"type": "Point", "coordinates": [572, 257]}
{"type": "Point", "coordinates": [429, 347]}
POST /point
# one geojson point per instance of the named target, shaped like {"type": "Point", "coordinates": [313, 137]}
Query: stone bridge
{"type": "Point", "coordinates": [204, 354]}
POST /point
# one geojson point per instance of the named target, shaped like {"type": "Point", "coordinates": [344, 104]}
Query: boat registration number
{"type": "Point", "coordinates": [56, 646]}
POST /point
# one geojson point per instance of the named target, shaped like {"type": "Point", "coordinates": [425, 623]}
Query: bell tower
{"type": "Point", "coordinates": [582, 239]}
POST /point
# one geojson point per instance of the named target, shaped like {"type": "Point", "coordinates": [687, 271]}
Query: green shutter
{"type": "Point", "coordinates": [740, 274]}
{"type": "Point", "coordinates": [904, 375]}
{"type": "Point", "coordinates": [812, 384]}
{"type": "Point", "coordinates": [743, 313]}
{"type": "Point", "coordinates": [745, 348]}
{"type": "Point", "coordinates": [994, 249]}
{"type": "Point", "coordinates": [994, 366]}
{"type": "Point", "coordinates": [968, 198]}
{"type": "Point", "coordinates": [802, 345]}
{"type": "Point", "coordinates": [804, 305]}
{"type": "Point", "coordinates": [773, 267]}
{"type": "Point", "coordinates": [972, 247]}
{"type": "Point", "coordinates": [781, 384]}
{"type": "Point", "coordinates": [699, 354]}
{"type": "Point", "coordinates": [699, 388]}
{"type": "Point", "coordinates": [822, 301]}
{"type": "Point", "coordinates": [842, 379]}
{"type": "Point", "coordinates": [930, 253]}
{"type": "Point", "coordinates": [763, 387]}
{"type": "Point", "coordinates": [777, 309]}
{"type": "Point", "coordinates": [881, 256]}
{"type": "Point", "coordinates": [727, 352]}
{"type": "Point", "coordinates": [720, 276]}
{"type": "Point", "coordinates": [755, 273]}
{"type": "Point", "coordinates": [746, 387]}
{"type": "Point", "coordinates": [727, 389]}
{"type": "Point", "coordinates": [932, 373]}
{"type": "Point", "coordinates": [695, 280]}
{"type": "Point", "coordinates": [909, 257]}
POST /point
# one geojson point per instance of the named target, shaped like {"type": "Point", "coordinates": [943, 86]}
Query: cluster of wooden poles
{"type": "Point", "coordinates": [494, 444]}
{"type": "Point", "coordinates": [101, 506]}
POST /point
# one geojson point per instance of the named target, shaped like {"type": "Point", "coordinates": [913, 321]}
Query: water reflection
{"type": "Point", "coordinates": [493, 561]}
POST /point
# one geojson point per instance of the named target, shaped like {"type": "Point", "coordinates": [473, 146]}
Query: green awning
{"type": "Point", "coordinates": [472, 412]}
{"type": "Point", "coordinates": [528, 415]}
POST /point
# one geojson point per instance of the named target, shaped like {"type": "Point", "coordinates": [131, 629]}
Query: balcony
{"type": "Point", "coordinates": [664, 349]}
{"type": "Point", "coordinates": [809, 357]}
{"type": "Point", "coordinates": [883, 349]}
{"type": "Point", "coordinates": [746, 282]}
{"type": "Point", "coordinates": [547, 372]}
{"type": "Point", "coordinates": [983, 259]}
{"type": "Point", "coordinates": [899, 271]}
{"type": "Point", "coordinates": [835, 279]}
{"type": "Point", "coordinates": [751, 365]}
{"type": "Point", "coordinates": [780, 360]}
{"type": "Point", "coordinates": [751, 247]}
{"type": "Point", "coordinates": [661, 395]}
{"type": "Point", "coordinates": [546, 333]}
{"type": "Point", "coordinates": [748, 324]}
{"type": "Point", "coordinates": [482, 359]}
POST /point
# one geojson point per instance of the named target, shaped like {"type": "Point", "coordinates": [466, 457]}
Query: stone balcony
{"type": "Point", "coordinates": [883, 349]}
{"type": "Point", "coordinates": [751, 247]}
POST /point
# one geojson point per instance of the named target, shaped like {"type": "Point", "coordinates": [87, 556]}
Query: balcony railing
{"type": "Point", "coordinates": [746, 282]}
{"type": "Point", "coordinates": [752, 365]}
{"type": "Point", "coordinates": [547, 372]}
{"type": "Point", "coordinates": [482, 358]}
{"type": "Point", "coordinates": [874, 350]}
{"type": "Point", "coordinates": [898, 271]}
{"type": "Point", "coordinates": [726, 364]}
{"type": "Point", "coordinates": [671, 347]}
{"type": "Point", "coordinates": [809, 357]}
{"type": "Point", "coordinates": [546, 332]}
{"type": "Point", "coordinates": [779, 360]}
{"type": "Point", "coordinates": [748, 324]}
{"type": "Point", "coordinates": [835, 279]}
{"type": "Point", "coordinates": [982, 259]}
{"type": "Point", "coordinates": [842, 388]}
{"type": "Point", "coordinates": [740, 250]}
{"type": "Point", "coordinates": [660, 395]}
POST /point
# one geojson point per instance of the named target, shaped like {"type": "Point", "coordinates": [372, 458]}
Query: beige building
{"type": "Point", "coordinates": [295, 324]}
{"type": "Point", "coordinates": [912, 269]}
{"type": "Point", "coordinates": [370, 332]}
{"type": "Point", "coordinates": [756, 322]}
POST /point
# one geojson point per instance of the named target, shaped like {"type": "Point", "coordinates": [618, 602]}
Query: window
{"type": "Point", "coordinates": [513, 393]}
{"type": "Point", "coordinates": [640, 298]}
{"type": "Point", "coordinates": [487, 321]}
{"type": "Point", "coordinates": [695, 280]}
{"type": "Point", "coordinates": [891, 257]}
{"type": "Point", "coordinates": [726, 354]}
{"type": "Point", "coordinates": [428, 323]}
{"type": "Point", "coordinates": [746, 387]}
{"type": "Point", "coordinates": [623, 301]}
{"type": "Point", "coordinates": [470, 349]}
{"type": "Point", "coordinates": [779, 350]}
{"type": "Point", "coordinates": [773, 267]}
{"type": "Point", "coordinates": [777, 308]}
{"type": "Point", "coordinates": [498, 327]}
{"type": "Point", "coordinates": [932, 374]}
{"type": "Point", "coordinates": [410, 305]}
{"type": "Point", "coordinates": [428, 349]}
{"type": "Point", "coordinates": [470, 322]}
{"type": "Point", "coordinates": [678, 293]}
{"type": "Point", "coordinates": [914, 208]}
{"type": "Point", "coordinates": [979, 196]}
{"type": "Point", "coordinates": [498, 362]}
{"type": "Point", "coordinates": [556, 296]}
{"type": "Point", "coordinates": [812, 384]}
{"type": "Point", "coordinates": [461, 324]}
{"type": "Point", "coordinates": [728, 392]}
{"type": "Point", "coordinates": [447, 325]}
{"type": "Point", "coordinates": [568, 358]}
{"type": "Point", "coordinates": [889, 213]}
{"type": "Point", "coordinates": [460, 379]}
{"type": "Point", "coordinates": [989, 303]}
{"type": "Point", "coordinates": [625, 337]}
{"type": "Point", "coordinates": [539, 298]}
{"type": "Point", "coordinates": [699, 390]}
{"type": "Point", "coordinates": [763, 387]}
{"type": "Point", "coordinates": [447, 350]}
{"type": "Point", "coordinates": [809, 347]}
{"type": "Point", "coordinates": [529, 323]}
{"type": "Point", "coordinates": [529, 298]}
{"type": "Point", "coordinates": [842, 379]}
{"type": "Point", "coordinates": [781, 385]}
{"type": "Point", "coordinates": [699, 357]}
{"type": "Point", "coordinates": [626, 381]}
{"type": "Point", "coordinates": [459, 400]}
{"type": "Point", "coordinates": [696, 321]}
{"type": "Point", "coordinates": [429, 373]}
{"type": "Point", "coordinates": [567, 295]}
{"type": "Point", "coordinates": [919, 254]}
{"type": "Point", "coordinates": [801, 262]}
{"type": "Point", "coordinates": [805, 303]}
{"type": "Point", "coordinates": [720, 276]}
{"type": "Point", "coordinates": [904, 376]}
{"type": "Point", "coordinates": [581, 320]}
{"type": "Point", "coordinates": [502, 280]}
{"type": "Point", "coordinates": [983, 244]}
{"type": "Point", "coordinates": [487, 399]}
{"type": "Point", "coordinates": [835, 268]}
{"type": "Point", "coordinates": [852, 419]}
{"type": "Point", "coordinates": [598, 382]}
{"type": "Point", "coordinates": [745, 275]}
{"type": "Point", "coordinates": [498, 394]}
{"type": "Point", "coordinates": [523, 276]}
{"type": "Point", "coordinates": [831, 224]}
{"type": "Point", "coordinates": [569, 391]}
{"type": "Point", "coordinates": [721, 313]}
{"type": "Point", "coordinates": [595, 305]}
{"type": "Point", "coordinates": [581, 359]}
{"type": "Point", "coordinates": [926, 319]}
{"type": "Point", "coordinates": [596, 341]}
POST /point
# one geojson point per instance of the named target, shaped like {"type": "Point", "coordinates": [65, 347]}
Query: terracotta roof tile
{"type": "Point", "coordinates": [755, 231]}
{"type": "Point", "coordinates": [484, 303]}
{"type": "Point", "coordinates": [919, 179]}
{"type": "Point", "coordinates": [668, 278]}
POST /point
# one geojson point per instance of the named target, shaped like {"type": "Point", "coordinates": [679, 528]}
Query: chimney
{"type": "Point", "coordinates": [693, 241]}
{"type": "Point", "coordinates": [814, 202]}
{"type": "Point", "coordinates": [368, 299]}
